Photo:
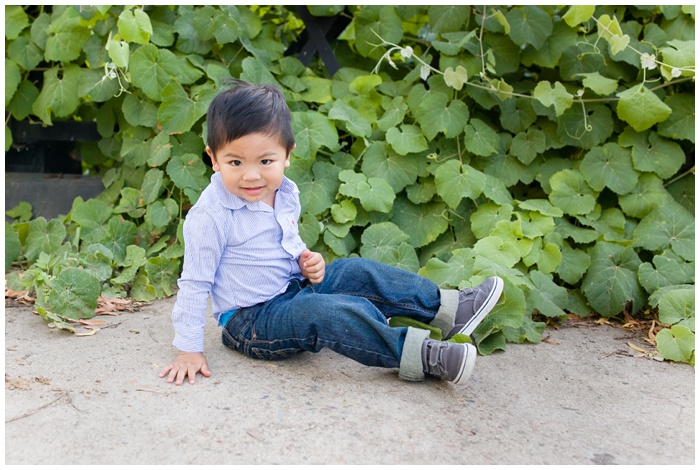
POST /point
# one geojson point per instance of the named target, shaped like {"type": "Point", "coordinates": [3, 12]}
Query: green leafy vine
{"type": "Point", "coordinates": [552, 146]}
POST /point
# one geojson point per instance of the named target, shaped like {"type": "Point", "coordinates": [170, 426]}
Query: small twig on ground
{"type": "Point", "coordinates": [36, 410]}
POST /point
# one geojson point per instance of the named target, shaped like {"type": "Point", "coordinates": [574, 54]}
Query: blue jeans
{"type": "Point", "coordinates": [348, 313]}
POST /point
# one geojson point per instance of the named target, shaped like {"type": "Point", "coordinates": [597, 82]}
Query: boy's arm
{"type": "Point", "coordinates": [204, 245]}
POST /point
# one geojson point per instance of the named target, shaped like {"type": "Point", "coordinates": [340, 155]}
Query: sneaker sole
{"type": "Point", "coordinates": [467, 365]}
{"type": "Point", "coordinates": [486, 307]}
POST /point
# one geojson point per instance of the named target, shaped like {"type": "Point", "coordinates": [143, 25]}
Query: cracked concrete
{"type": "Point", "coordinates": [579, 398]}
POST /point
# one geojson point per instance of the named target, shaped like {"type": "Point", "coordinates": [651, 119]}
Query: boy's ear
{"type": "Point", "coordinates": [214, 165]}
{"type": "Point", "coordinates": [287, 162]}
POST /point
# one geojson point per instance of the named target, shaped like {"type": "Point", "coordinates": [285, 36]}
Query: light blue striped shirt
{"type": "Point", "coordinates": [239, 252]}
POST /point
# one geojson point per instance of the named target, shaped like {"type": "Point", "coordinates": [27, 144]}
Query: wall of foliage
{"type": "Point", "coordinates": [552, 146]}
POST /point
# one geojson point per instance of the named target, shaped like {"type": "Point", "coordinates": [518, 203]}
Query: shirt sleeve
{"type": "Point", "coordinates": [205, 242]}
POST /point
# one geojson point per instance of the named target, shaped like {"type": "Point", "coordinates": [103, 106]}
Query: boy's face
{"type": "Point", "coordinates": [252, 166]}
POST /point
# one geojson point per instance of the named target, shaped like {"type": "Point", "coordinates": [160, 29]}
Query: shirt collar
{"type": "Point", "coordinates": [231, 201]}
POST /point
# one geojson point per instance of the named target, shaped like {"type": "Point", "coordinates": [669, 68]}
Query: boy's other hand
{"type": "Point", "coordinates": [313, 266]}
{"type": "Point", "coordinates": [186, 364]}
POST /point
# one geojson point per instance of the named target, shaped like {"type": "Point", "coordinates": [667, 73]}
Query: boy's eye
{"type": "Point", "coordinates": [265, 161]}
{"type": "Point", "coordinates": [236, 163]}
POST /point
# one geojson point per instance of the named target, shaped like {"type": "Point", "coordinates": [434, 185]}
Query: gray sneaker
{"type": "Point", "coordinates": [453, 362]}
{"type": "Point", "coordinates": [475, 304]}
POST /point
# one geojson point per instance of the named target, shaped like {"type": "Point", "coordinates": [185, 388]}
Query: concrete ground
{"type": "Point", "coordinates": [582, 397]}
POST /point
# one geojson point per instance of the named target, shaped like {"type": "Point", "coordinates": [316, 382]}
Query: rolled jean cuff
{"type": "Point", "coordinates": [411, 365]}
{"type": "Point", "coordinates": [445, 317]}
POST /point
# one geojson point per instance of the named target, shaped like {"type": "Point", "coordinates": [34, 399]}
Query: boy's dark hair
{"type": "Point", "coordinates": [245, 109]}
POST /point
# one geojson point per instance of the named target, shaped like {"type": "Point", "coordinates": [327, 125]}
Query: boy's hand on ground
{"type": "Point", "coordinates": [186, 365]}
{"type": "Point", "coordinates": [313, 266]}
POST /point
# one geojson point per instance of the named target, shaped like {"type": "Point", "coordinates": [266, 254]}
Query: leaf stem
{"type": "Point", "coordinates": [681, 176]}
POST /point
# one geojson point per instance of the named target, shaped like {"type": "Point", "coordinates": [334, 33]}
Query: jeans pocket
{"type": "Point", "coordinates": [230, 341]}
{"type": "Point", "coordinates": [237, 331]}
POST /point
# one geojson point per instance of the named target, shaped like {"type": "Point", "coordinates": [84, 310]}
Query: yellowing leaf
{"type": "Point", "coordinates": [556, 96]}
{"type": "Point", "coordinates": [599, 84]}
{"type": "Point", "coordinates": [641, 108]}
{"type": "Point", "coordinates": [577, 14]}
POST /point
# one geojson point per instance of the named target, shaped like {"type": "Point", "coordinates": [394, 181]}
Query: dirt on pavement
{"type": "Point", "coordinates": [582, 397]}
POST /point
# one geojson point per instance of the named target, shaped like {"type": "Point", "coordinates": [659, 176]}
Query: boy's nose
{"type": "Point", "coordinates": [251, 174]}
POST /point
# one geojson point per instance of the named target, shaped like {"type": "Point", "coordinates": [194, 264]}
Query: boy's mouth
{"type": "Point", "coordinates": [253, 190]}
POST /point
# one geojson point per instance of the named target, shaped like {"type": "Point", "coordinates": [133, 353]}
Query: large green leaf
{"type": "Point", "coordinates": [548, 55]}
{"type": "Point", "coordinates": [312, 131]}
{"type": "Point", "coordinates": [547, 297]}
{"type": "Point", "coordinates": [162, 275]}
{"type": "Point", "coordinates": [74, 294]}
{"type": "Point", "coordinates": [435, 115]}
{"type": "Point", "coordinates": [556, 96]}
{"type": "Point", "coordinates": [409, 139]}
{"type": "Point", "coordinates": [97, 85]}
{"type": "Point", "coordinates": [529, 25]}
{"type": "Point", "coordinates": [681, 123]}
{"type": "Point", "coordinates": [526, 146]}
{"type": "Point", "coordinates": [661, 156]}
{"type": "Point", "coordinates": [386, 243]}
{"type": "Point", "coordinates": [677, 307]}
{"type": "Point", "coordinates": [423, 223]}
{"type": "Point", "coordinates": [353, 119]}
{"type": "Point", "coordinates": [571, 193]}
{"type": "Point", "coordinates": [574, 264]}
{"type": "Point", "coordinates": [135, 26]}
{"type": "Point", "coordinates": [445, 18]}
{"type": "Point", "coordinates": [153, 68]}
{"type": "Point", "coordinates": [677, 344]}
{"type": "Point", "coordinates": [43, 236]}
{"type": "Point", "coordinates": [577, 14]}
{"type": "Point", "coordinates": [65, 36]}
{"type": "Point", "coordinates": [380, 161]}
{"type": "Point", "coordinates": [375, 22]}
{"type": "Point", "coordinates": [12, 79]}
{"type": "Point", "coordinates": [668, 226]}
{"type": "Point", "coordinates": [121, 233]}
{"type": "Point", "coordinates": [24, 52]}
{"type": "Point", "coordinates": [648, 194]}
{"type": "Point", "coordinates": [374, 194]}
{"type": "Point", "coordinates": [611, 280]}
{"type": "Point", "coordinates": [641, 108]}
{"type": "Point", "coordinates": [454, 182]}
{"type": "Point", "coordinates": [91, 215]}
{"type": "Point", "coordinates": [499, 250]}
{"type": "Point", "coordinates": [666, 271]}
{"type": "Point", "coordinates": [58, 96]}
{"type": "Point", "coordinates": [452, 272]}
{"type": "Point", "coordinates": [16, 20]}
{"type": "Point", "coordinates": [187, 171]}
{"type": "Point", "coordinates": [609, 166]}
{"type": "Point", "coordinates": [316, 194]}
{"type": "Point", "coordinates": [480, 138]}
{"type": "Point", "coordinates": [179, 112]}
{"type": "Point", "coordinates": [517, 115]}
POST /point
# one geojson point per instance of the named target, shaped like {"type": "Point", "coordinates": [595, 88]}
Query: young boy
{"type": "Point", "coordinates": [272, 296]}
